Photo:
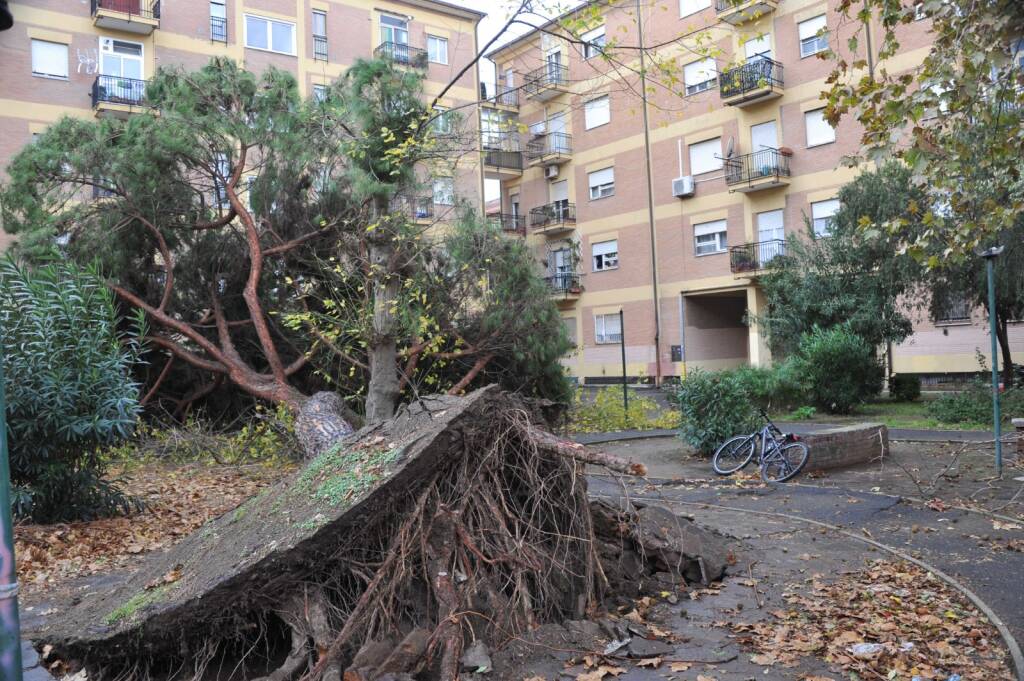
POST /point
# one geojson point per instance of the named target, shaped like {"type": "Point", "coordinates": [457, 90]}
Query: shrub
{"type": "Point", "coordinates": [839, 369]}
{"type": "Point", "coordinates": [974, 405]}
{"type": "Point", "coordinates": [803, 413]}
{"type": "Point", "coordinates": [775, 387]}
{"type": "Point", "coordinates": [906, 388]}
{"type": "Point", "coordinates": [69, 390]}
{"type": "Point", "coordinates": [714, 407]}
{"type": "Point", "coordinates": [606, 413]}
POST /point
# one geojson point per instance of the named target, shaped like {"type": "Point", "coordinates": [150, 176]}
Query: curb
{"type": "Point", "coordinates": [1004, 632]}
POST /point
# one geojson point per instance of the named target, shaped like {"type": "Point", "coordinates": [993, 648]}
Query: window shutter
{"type": "Point", "coordinates": [699, 71]}
{"type": "Point", "coordinates": [705, 228]}
{"type": "Point", "coordinates": [599, 177]}
{"type": "Point", "coordinates": [606, 247]}
{"type": "Point", "coordinates": [704, 156]}
{"type": "Point", "coordinates": [818, 129]}
{"type": "Point", "coordinates": [810, 28]}
{"type": "Point", "coordinates": [49, 59]}
{"type": "Point", "coordinates": [596, 112]}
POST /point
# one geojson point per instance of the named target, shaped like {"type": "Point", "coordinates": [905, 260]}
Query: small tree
{"type": "Point", "coordinates": [839, 368]}
{"type": "Point", "coordinates": [715, 406]}
{"type": "Point", "coordinates": [69, 389]}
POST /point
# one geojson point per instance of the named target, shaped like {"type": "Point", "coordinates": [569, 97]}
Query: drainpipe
{"type": "Point", "coordinates": [867, 36]}
{"type": "Point", "coordinates": [650, 197]}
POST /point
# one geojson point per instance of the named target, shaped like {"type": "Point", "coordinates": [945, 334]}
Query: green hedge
{"type": "Point", "coordinates": [839, 369]}
{"type": "Point", "coordinates": [715, 406]}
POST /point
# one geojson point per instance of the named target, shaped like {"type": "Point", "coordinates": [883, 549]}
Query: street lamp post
{"type": "Point", "coordinates": [10, 627]}
{"type": "Point", "coordinates": [990, 256]}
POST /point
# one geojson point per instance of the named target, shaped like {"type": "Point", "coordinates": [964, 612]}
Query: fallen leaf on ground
{"type": "Point", "coordinates": [679, 666]}
{"type": "Point", "coordinates": [601, 672]}
{"type": "Point", "coordinates": [652, 662]}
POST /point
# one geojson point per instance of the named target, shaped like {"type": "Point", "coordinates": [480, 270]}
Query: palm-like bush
{"type": "Point", "coordinates": [69, 389]}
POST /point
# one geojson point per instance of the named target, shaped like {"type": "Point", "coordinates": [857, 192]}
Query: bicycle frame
{"type": "Point", "coordinates": [769, 432]}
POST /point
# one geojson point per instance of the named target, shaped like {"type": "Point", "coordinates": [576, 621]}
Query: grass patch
{"type": "Point", "coordinates": [136, 603]}
{"type": "Point", "coordinates": [338, 476]}
{"type": "Point", "coordinates": [909, 415]}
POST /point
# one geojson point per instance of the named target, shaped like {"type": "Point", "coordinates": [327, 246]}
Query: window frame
{"type": "Point", "coordinates": [720, 236]}
{"type": "Point", "coordinates": [269, 21]}
{"type": "Point", "coordinates": [50, 76]}
{"type": "Point", "coordinates": [703, 86]}
{"type": "Point", "coordinates": [594, 41]}
{"type": "Point", "coordinates": [450, 191]}
{"type": "Point", "coordinates": [603, 189]}
{"type": "Point", "coordinates": [717, 157]}
{"type": "Point", "coordinates": [599, 261]}
{"type": "Point", "coordinates": [814, 219]}
{"type": "Point", "coordinates": [807, 128]}
{"type": "Point", "coordinates": [601, 335]}
{"type": "Point", "coordinates": [588, 108]}
{"type": "Point", "coordinates": [704, 4]}
{"type": "Point", "coordinates": [393, 27]}
{"type": "Point", "coordinates": [814, 38]}
{"type": "Point", "coordinates": [319, 94]}
{"type": "Point", "coordinates": [441, 40]}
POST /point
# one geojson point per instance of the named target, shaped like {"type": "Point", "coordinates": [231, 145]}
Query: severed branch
{"type": "Point", "coordinates": [577, 452]}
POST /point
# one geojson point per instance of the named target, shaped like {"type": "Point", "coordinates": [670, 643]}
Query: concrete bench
{"type": "Point", "coordinates": [846, 446]}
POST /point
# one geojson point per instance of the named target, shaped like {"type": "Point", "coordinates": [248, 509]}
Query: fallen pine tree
{"type": "Point", "coordinates": [459, 519]}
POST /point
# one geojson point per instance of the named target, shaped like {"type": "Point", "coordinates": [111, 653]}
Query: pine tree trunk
{"type": "Point", "coordinates": [383, 390]}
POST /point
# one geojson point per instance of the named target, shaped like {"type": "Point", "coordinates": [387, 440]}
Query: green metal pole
{"type": "Point", "coordinates": [996, 416]}
{"type": "Point", "coordinates": [622, 344]}
{"type": "Point", "coordinates": [10, 627]}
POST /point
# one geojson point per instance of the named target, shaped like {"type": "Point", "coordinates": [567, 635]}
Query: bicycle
{"type": "Point", "coordinates": [782, 455]}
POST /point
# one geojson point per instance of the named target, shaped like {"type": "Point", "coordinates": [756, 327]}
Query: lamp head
{"type": "Point", "coordinates": [991, 252]}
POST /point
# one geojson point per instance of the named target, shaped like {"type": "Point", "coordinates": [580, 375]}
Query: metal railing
{"type": "Point", "coordinates": [417, 207]}
{"type": "Point", "coordinates": [219, 29]}
{"type": "Point", "coordinates": [500, 158]}
{"type": "Point", "coordinates": [565, 282]}
{"type": "Point", "coordinates": [755, 256]}
{"type": "Point", "coordinates": [547, 76]}
{"type": "Point", "coordinates": [147, 9]}
{"type": "Point", "coordinates": [549, 143]}
{"type": "Point", "coordinates": [118, 90]}
{"type": "Point", "coordinates": [559, 212]}
{"type": "Point", "coordinates": [758, 73]}
{"type": "Point", "coordinates": [726, 5]}
{"type": "Point", "coordinates": [320, 48]}
{"type": "Point", "coordinates": [750, 167]}
{"type": "Point", "coordinates": [400, 53]}
{"type": "Point", "coordinates": [507, 222]}
{"type": "Point", "coordinates": [504, 95]}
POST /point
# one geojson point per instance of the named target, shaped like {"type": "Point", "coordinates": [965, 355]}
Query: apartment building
{"type": "Point", "coordinates": [737, 154]}
{"type": "Point", "coordinates": [93, 58]}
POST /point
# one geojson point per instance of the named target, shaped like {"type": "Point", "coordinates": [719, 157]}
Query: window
{"type": "Point", "coordinates": [442, 122]}
{"type": "Point", "coordinates": [223, 174]}
{"type": "Point", "coordinates": [608, 328]}
{"type": "Point", "coordinates": [706, 156]}
{"type": "Point", "coordinates": [49, 60]}
{"type": "Point", "coordinates": [919, 13]}
{"type": "Point", "coordinates": [319, 35]}
{"type": "Point", "coordinates": [570, 328]}
{"type": "Point", "coordinates": [758, 48]}
{"type": "Point", "coordinates": [122, 59]}
{"type": "Point", "coordinates": [951, 308]}
{"type": "Point", "coordinates": [810, 41]}
{"type": "Point", "coordinates": [593, 42]}
{"type": "Point", "coordinates": [437, 49]}
{"type": "Point", "coordinates": [821, 216]}
{"type": "Point", "coordinates": [319, 93]}
{"type": "Point", "coordinates": [269, 34]}
{"type": "Point", "coordinates": [700, 75]}
{"type": "Point", "coordinates": [596, 112]}
{"type": "Point", "coordinates": [688, 7]}
{"type": "Point", "coordinates": [818, 129]}
{"type": "Point", "coordinates": [606, 255]}
{"type": "Point", "coordinates": [218, 21]}
{"type": "Point", "coordinates": [602, 183]}
{"type": "Point", "coordinates": [710, 237]}
{"type": "Point", "coordinates": [394, 30]}
{"type": "Point", "coordinates": [444, 191]}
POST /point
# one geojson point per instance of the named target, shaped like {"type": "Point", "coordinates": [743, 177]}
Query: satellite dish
{"type": "Point", "coordinates": [730, 147]}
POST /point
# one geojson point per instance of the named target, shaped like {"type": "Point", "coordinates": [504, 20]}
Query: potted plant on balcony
{"type": "Point", "coordinates": [786, 151]}
{"type": "Point", "coordinates": [743, 261]}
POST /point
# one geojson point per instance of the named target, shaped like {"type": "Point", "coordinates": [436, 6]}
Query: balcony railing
{"type": "Point", "coordinates": [504, 96]}
{"type": "Point", "coordinates": [549, 144]}
{"type": "Point", "coordinates": [507, 222]}
{"type": "Point", "coordinates": [400, 53]}
{"type": "Point", "coordinates": [417, 208]}
{"type": "Point", "coordinates": [219, 29]}
{"type": "Point", "coordinates": [320, 48]}
{"type": "Point", "coordinates": [146, 9]}
{"type": "Point", "coordinates": [565, 282]}
{"type": "Point", "coordinates": [757, 74]}
{"type": "Point", "coordinates": [755, 256]}
{"type": "Point", "coordinates": [760, 164]}
{"type": "Point", "coordinates": [557, 213]}
{"type": "Point", "coordinates": [500, 158]}
{"type": "Point", "coordinates": [118, 90]}
{"type": "Point", "coordinates": [548, 76]}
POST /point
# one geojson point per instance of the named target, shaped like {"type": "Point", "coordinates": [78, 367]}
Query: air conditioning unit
{"type": "Point", "coordinates": [682, 186]}
{"type": "Point", "coordinates": [551, 172]}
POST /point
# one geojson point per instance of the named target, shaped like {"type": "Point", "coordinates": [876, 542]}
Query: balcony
{"type": "Point", "coordinates": [547, 82]}
{"type": "Point", "coordinates": [132, 16]}
{"type": "Point", "coordinates": [218, 29]}
{"type": "Point", "coordinates": [565, 285]}
{"type": "Point", "coordinates": [417, 208]}
{"type": "Point", "coordinates": [549, 149]}
{"type": "Point", "coordinates": [756, 81]}
{"type": "Point", "coordinates": [403, 54]}
{"type": "Point", "coordinates": [750, 259]}
{"type": "Point", "coordinates": [553, 218]}
{"type": "Point", "coordinates": [763, 169]}
{"type": "Point", "coordinates": [502, 164]}
{"type": "Point", "coordinates": [320, 48]}
{"type": "Point", "coordinates": [504, 98]}
{"type": "Point", "coordinates": [509, 223]}
{"type": "Point", "coordinates": [117, 97]}
{"type": "Point", "coordinates": [738, 12]}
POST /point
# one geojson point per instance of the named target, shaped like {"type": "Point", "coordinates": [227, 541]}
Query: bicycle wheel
{"type": "Point", "coordinates": [734, 454]}
{"type": "Point", "coordinates": [783, 463]}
